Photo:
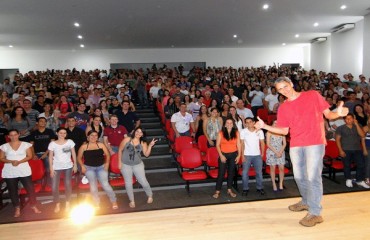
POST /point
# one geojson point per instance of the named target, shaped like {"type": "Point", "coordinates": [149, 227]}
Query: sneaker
{"type": "Point", "coordinates": [349, 183]}
{"type": "Point", "coordinates": [245, 193]}
{"type": "Point", "coordinates": [311, 220]}
{"type": "Point", "coordinates": [299, 206]}
{"type": "Point", "coordinates": [367, 182]}
{"type": "Point", "coordinates": [261, 191]}
{"type": "Point", "coordinates": [363, 184]}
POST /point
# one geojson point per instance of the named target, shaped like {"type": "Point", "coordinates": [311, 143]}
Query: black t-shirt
{"type": "Point", "coordinates": [127, 120]}
{"type": "Point", "coordinates": [78, 136]}
{"type": "Point", "coordinates": [115, 110]}
{"type": "Point", "coordinates": [3, 133]}
{"type": "Point", "coordinates": [41, 140]}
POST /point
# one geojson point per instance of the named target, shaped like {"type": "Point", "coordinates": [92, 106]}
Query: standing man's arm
{"type": "Point", "coordinates": [341, 112]}
{"type": "Point", "coordinates": [278, 130]}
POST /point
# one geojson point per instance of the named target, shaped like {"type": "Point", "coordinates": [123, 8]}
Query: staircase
{"type": "Point", "coordinates": [160, 166]}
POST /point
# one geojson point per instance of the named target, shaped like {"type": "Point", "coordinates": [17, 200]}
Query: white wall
{"type": "Point", "coordinates": [366, 51]}
{"type": "Point", "coordinates": [347, 51]}
{"type": "Point", "coordinates": [321, 55]}
{"type": "Point", "coordinates": [85, 59]}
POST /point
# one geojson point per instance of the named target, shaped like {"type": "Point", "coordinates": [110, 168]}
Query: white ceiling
{"type": "Point", "coordinates": [123, 24]}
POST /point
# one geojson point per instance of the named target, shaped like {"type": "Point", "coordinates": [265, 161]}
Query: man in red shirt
{"type": "Point", "coordinates": [302, 115]}
{"type": "Point", "coordinates": [114, 134]}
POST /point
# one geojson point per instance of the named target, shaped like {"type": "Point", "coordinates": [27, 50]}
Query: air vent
{"type": "Point", "coordinates": [318, 40]}
{"type": "Point", "coordinates": [343, 28]}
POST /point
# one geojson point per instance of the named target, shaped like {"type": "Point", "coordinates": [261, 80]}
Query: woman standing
{"type": "Point", "coordinates": [229, 149]}
{"type": "Point", "coordinates": [19, 120]}
{"type": "Point", "coordinates": [4, 118]}
{"type": "Point", "coordinates": [170, 108]}
{"type": "Point", "coordinates": [360, 115]}
{"type": "Point", "coordinates": [239, 122]}
{"type": "Point", "coordinates": [366, 152]}
{"type": "Point", "coordinates": [15, 154]}
{"type": "Point", "coordinates": [96, 125]}
{"type": "Point", "coordinates": [275, 155]}
{"type": "Point", "coordinates": [8, 106]}
{"type": "Point", "coordinates": [95, 167]}
{"type": "Point", "coordinates": [129, 153]}
{"type": "Point", "coordinates": [103, 106]}
{"type": "Point", "coordinates": [211, 127]}
{"type": "Point", "coordinates": [202, 116]}
{"type": "Point", "coordinates": [62, 159]}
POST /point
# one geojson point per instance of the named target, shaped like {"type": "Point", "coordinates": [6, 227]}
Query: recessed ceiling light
{"type": "Point", "coordinates": [283, 44]}
{"type": "Point", "coordinates": [82, 46]}
{"type": "Point", "coordinates": [10, 46]}
{"type": "Point", "coordinates": [265, 6]}
{"type": "Point", "coordinates": [76, 24]}
{"type": "Point", "coordinates": [343, 7]}
{"type": "Point", "coordinates": [235, 36]}
{"type": "Point", "coordinates": [79, 37]}
{"type": "Point", "coordinates": [316, 24]}
{"type": "Point", "coordinates": [297, 35]}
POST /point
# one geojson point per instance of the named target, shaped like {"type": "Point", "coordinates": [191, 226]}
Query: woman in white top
{"type": "Point", "coordinates": [62, 158]}
{"type": "Point", "coordinates": [15, 154]}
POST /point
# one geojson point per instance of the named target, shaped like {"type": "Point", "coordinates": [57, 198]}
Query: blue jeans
{"type": "Point", "coordinates": [143, 98]}
{"type": "Point", "coordinates": [307, 169]}
{"type": "Point", "coordinates": [67, 184]}
{"type": "Point", "coordinates": [187, 133]}
{"type": "Point", "coordinates": [94, 174]}
{"type": "Point", "coordinates": [256, 161]}
{"type": "Point", "coordinates": [128, 172]}
{"type": "Point", "coordinates": [367, 163]}
{"type": "Point", "coordinates": [358, 157]}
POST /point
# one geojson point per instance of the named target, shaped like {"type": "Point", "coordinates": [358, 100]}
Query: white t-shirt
{"type": "Point", "coordinates": [62, 154]}
{"type": "Point", "coordinates": [23, 169]}
{"type": "Point", "coordinates": [257, 100]}
{"type": "Point", "coordinates": [154, 91]}
{"type": "Point", "coordinates": [251, 141]}
{"type": "Point", "coordinates": [272, 100]}
{"type": "Point", "coordinates": [246, 112]}
{"type": "Point", "coordinates": [234, 98]}
{"type": "Point", "coordinates": [182, 123]}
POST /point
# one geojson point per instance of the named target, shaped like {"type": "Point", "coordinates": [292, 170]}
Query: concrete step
{"type": "Point", "coordinates": [148, 125]}
{"type": "Point", "coordinates": [149, 119]}
{"type": "Point", "coordinates": [155, 132]}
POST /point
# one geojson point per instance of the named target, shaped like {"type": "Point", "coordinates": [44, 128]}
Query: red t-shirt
{"type": "Point", "coordinates": [304, 118]}
{"type": "Point", "coordinates": [115, 135]}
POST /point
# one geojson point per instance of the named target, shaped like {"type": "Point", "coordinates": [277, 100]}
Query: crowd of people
{"type": "Point", "coordinates": [70, 115]}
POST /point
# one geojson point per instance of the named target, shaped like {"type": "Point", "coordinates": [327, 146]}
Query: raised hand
{"type": "Point", "coordinates": [260, 124]}
{"type": "Point", "coordinates": [153, 142]}
{"type": "Point", "coordinates": [342, 111]}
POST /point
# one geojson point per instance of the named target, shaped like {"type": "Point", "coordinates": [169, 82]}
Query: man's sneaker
{"type": "Point", "coordinates": [349, 183]}
{"type": "Point", "coordinates": [299, 206]}
{"type": "Point", "coordinates": [363, 184]}
{"type": "Point", "coordinates": [311, 220]}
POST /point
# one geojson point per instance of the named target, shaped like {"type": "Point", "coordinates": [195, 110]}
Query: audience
{"type": "Point", "coordinates": [108, 102]}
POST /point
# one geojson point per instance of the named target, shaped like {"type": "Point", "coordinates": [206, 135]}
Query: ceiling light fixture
{"type": "Point", "coordinates": [283, 44]}
{"type": "Point", "coordinates": [297, 36]}
{"type": "Point", "coordinates": [316, 24]}
{"type": "Point", "coordinates": [79, 37]}
{"type": "Point", "coordinates": [235, 36]}
{"type": "Point", "coordinates": [82, 46]}
{"type": "Point", "coordinates": [10, 46]}
{"type": "Point", "coordinates": [265, 6]}
{"type": "Point", "coordinates": [343, 7]}
{"type": "Point", "coordinates": [76, 24]}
